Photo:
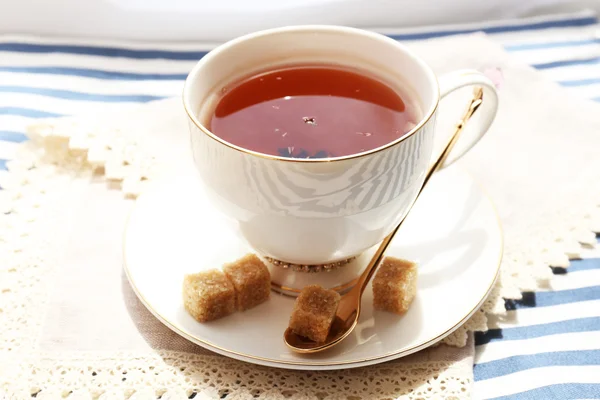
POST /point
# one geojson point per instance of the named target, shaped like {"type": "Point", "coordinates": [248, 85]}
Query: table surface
{"type": "Point", "coordinates": [553, 351]}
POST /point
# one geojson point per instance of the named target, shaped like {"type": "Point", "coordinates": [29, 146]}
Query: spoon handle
{"type": "Point", "coordinates": [365, 277]}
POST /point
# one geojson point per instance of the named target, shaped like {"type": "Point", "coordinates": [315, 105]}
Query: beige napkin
{"type": "Point", "coordinates": [74, 324]}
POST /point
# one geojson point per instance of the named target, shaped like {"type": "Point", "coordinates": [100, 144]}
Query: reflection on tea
{"type": "Point", "coordinates": [311, 111]}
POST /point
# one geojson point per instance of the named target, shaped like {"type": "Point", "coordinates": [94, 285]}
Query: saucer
{"type": "Point", "coordinates": [453, 233]}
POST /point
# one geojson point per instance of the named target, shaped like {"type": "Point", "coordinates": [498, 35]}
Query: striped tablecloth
{"type": "Point", "coordinates": [554, 349]}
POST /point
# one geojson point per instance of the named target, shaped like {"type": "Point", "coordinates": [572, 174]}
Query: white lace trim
{"type": "Point", "coordinates": [121, 157]}
{"type": "Point", "coordinates": [148, 376]}
{"type": "Point", "coordinates": [33, 188]}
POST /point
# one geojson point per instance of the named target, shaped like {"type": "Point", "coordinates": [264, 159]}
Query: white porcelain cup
{"type": "Point", "coordinates": [319, 211]}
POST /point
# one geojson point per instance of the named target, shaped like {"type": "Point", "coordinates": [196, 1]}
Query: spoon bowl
{"type": "Point", "coordinates": [339, 330]}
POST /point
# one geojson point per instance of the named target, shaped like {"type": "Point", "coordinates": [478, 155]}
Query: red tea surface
{"type": "Point", "coordinates": [311, 112]}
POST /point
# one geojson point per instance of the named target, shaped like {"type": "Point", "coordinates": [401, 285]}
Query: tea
{"type": "Point", "coordinates": [311, 111]}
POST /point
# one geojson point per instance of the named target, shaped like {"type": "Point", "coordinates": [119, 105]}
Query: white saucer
{"type": "Point", "coordinates": [452, 232]}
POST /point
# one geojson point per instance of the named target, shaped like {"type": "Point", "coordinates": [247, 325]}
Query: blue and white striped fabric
{"type": "Point", "coordinates": [553, 351]}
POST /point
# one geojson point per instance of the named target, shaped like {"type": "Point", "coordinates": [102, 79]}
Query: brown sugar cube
{"type": "Point", "coordinates": [314, 312]}
{"type": "Point", "coordinates": [208, 295]}
{"type": "Point", "coordinates": [251, 280]}
{"type": "Point", "coordinates": [394, 285]}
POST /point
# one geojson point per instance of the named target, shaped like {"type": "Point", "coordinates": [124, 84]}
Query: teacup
{"type": "Point", "coordinates": [322, 211]}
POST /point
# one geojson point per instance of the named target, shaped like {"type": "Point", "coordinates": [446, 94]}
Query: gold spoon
{"type": "Point", "coordinates": [348, 310]}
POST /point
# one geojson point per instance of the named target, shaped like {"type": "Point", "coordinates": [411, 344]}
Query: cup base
{"type": "Point", "coordinates": [310, 268]}
{"type": "Point", "coordinates": [294, 292]}
{"type": "Point", "coordinates": [289, 279]}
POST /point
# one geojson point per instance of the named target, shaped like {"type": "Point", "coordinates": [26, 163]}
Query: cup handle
{"type": "Point", "coordinates": [484, 102]}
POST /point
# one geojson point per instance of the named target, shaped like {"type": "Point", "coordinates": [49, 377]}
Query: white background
{"type": "Point", "coordinates": [218, 20]}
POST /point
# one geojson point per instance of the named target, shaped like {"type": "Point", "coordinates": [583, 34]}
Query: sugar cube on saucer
{"type": "Point", "coordinates": [394, 285]}
{"type": "Point", "coordinates": [208, 295]}
{"type": "Point", "coordinates": [314, 312]}
{"type": "Point", "coordinates": [251, 280]}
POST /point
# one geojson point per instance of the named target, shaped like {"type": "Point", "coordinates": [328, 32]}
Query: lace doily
{"type": "Point", "coordinates": [37, 181]}
{"type": "Point", "coordinates": [38, 185]}
{"type": "Point", "coordinates": [65, 156]}
{"type": "Point", "coordinates": [176, 376]}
